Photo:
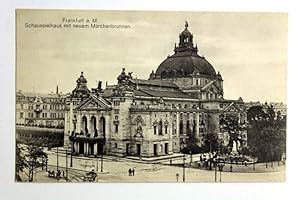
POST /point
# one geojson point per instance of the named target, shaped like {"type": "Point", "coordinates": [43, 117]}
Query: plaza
{"type": "Point", "coordinates": [115, 169]}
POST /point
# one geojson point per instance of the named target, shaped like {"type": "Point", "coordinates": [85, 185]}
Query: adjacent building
{"type": "Point", "coordinates": [42, 110]}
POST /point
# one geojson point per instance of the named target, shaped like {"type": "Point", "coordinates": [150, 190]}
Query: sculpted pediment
{"type": "Point", "coordinates": [93, 103]}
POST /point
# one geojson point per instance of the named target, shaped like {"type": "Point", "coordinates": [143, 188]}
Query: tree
{"type": "Point", "coordinates": [29, 157]}
{"type": "Point", "coordinates": [230, 124]}
{"type": "Point", "coordinates": [210, 143]}
{"type": "Point", "coordinates": [266, 133]}
{"type": "Point", "coordinates": [21, 164]}
{"type": "Point", "coordinates": [191, 146]}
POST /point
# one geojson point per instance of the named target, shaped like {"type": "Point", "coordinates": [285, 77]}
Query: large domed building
{"type": "Point", "coordinates": [190, 71]}
{"type": "Point", "coordinates": [154, 117]}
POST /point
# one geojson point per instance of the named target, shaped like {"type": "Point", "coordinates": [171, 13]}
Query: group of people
{"type": "Point", "coordinates": [131, 172]}
{"type": "Point", "coordinates": [56, 174]}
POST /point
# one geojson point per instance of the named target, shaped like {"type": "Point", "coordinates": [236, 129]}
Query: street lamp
{"type": "Point", "coordinates": [183, 168]}
{"type": "Point", "coordinates": [215, 163]}
{"type": "Point", "coordinates": [221, 164]}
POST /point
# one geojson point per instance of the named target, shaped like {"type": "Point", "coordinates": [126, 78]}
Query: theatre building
{"type": "Point", "coordinates": [151, 117]}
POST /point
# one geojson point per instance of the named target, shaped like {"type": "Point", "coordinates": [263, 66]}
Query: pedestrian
{"type": "Point", "coordinates": [129, 172]}
{"type": "Point", "coordinates": [230, 168]}
{"type": "Point", "coordinates": [177, 177]}
{"type": "Point", "coordinates": [200, 158]}
{"type": "Point", "coordinates": [133, 172]}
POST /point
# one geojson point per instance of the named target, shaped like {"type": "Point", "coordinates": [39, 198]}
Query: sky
{"type": "Point", "coordinates": [248, 49]}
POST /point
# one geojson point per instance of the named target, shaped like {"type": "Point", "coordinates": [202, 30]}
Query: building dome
{"type": "Point", "coordinates": [81, 79]}
{"type": "Point", "coordinates": [185, 61]}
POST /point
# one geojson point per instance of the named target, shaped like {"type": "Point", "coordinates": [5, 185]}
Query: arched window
{"type": "Point", "coordinates": [94, 126]}
{"type": "Point", "coordinates": [102, 126]}
{"type": "Point", "coordinates": [160, 125]}
{"type": "Point", "coordinates": [84, 124]}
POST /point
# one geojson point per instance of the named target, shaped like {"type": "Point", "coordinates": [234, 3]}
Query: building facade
{"type": "Point", "coordinates": [42, 110]}
{"type": "Point", "coordinates": [151, 117]}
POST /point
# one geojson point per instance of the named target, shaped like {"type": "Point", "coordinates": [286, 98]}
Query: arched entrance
{"type": "Point", "coordinates": [94, 126]}
{"type": "Point", "coordinates": [81, 148]}
{"type": "Point", "coordinates": [102, 126]}
{"type": "Point", "coordinates": [84, 125]}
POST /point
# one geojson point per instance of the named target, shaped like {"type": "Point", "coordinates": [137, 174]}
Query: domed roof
{"type": "Point", "coordinates": [81, 79]}
{"type": "Point", "coordinates": [185, 61]}
{"type": "Point", "coordinates": [183, 66]}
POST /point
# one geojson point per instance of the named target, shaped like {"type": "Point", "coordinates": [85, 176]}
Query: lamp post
{"type": "Point", "coordinates": [102, 149]}
{"type": "Point", "coordinates": [183, 169]}
{"type": "Point", "coordinates": [57, 158]}
{"type": "Point", "coordinates": [67, 165]}
{"type": "Point", "coordinates": [216, 163]}
{"type": "Point", "coordinates": [191, 156]}
{"type": "Point", "coordinates": [221, 164]}
{"type": "Point", "coordinates": [71, 152]}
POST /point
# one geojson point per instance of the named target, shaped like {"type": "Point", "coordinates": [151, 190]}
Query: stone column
{"type": "Point", "coordinates": [96, 149]}
{"type": "Point", "coordinates": [84, 148]}
{"type": "Point", "coordinates": [75, 147]}
{"type": "Point", "coordinates": [87, 148]}
{"type": "Point", "coordinates": [184, 120]}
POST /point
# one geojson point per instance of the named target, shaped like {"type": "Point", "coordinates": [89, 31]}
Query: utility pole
{"type": "Point", "coordinates": [97, 162]}
{"type": "Point", "coordinates": [57, 163]}
{"type": "Point", "coordinates": [57, 158]}
{"type": "Point", "coordinates": [67, 165]}
{"type": "Point", "coordinates": [71, 162]}
{"type": "Point", "coordinates": [183, 169]}
{"type": "Point", "coordinates": [216, 170]}
{"type": "Point", "coordinates": [101, 159]}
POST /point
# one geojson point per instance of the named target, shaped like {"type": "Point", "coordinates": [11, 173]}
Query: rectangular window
{"type": "Point", "coordinates": [154, 130]}
{"type": "Point", "coordinates": [21, 115]}
{"type": "Point", "coordinates": [116, 145]}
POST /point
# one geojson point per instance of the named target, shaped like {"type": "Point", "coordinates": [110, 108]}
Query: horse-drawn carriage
{"type": "Point", "coordinates": [90, 176]}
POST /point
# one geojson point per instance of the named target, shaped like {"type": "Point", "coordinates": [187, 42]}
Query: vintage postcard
{"type": "Point", "coordinates": [148, 96]}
